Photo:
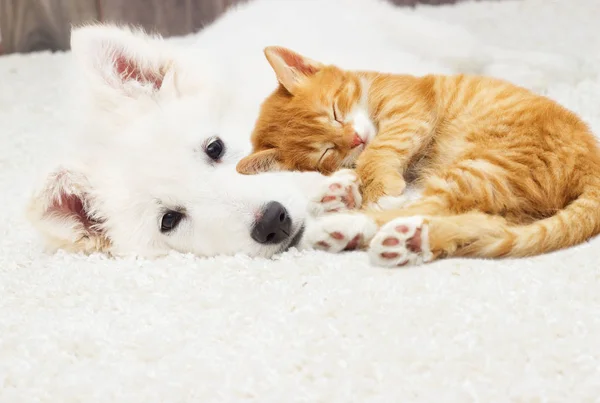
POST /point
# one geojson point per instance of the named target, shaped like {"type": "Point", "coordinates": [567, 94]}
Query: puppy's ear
{"type": "Point", "coordinates": [290, 67]}
{"type": "Point", "coordinates": [61, 210]}
{"type": "Point", "coordinates": [122, 62]}
{"type": "Point", "coordinates": [262, 161]}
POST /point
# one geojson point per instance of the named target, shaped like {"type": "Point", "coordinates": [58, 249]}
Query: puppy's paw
{"type": "Point", "coordinates": [339, 192]}
{"type": "Point", "coordinates": [401, 242]}
{"type": "Point", "coordinates": [338, 232]}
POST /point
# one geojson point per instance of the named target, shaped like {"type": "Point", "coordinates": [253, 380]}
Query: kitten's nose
{"type": "Point", "coordinates": [357, 140]}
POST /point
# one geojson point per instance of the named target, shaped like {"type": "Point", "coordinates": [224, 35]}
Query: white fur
{"type": "Point", "coordinates": [410, 195]}
{"type": "Point", "coordinates": [138, 150]}
{"type": "Point", "coordinates": [361, 118]}
{"type": "Point", "coordinates": [342, 185]}
{"type": "Point", "coordinates": [333, 232]}
{"type": "Point", "coordinates": [402, 255]}
{"type": "Point", "coordinates": [305, 326]}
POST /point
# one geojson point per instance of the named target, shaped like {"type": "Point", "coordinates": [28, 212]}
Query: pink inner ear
{"type": "Point", "coordinates": [297, 62]}
{"type": "Point", "coordinates": [71, 205]}
{"type": "Point", "coordinates": [128, 70]}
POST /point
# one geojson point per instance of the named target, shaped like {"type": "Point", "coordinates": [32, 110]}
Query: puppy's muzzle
{"type": "Point", "coordinates": [274, 225]}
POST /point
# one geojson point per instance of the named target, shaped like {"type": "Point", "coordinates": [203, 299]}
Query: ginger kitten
{"type": "Point", "coordinates": [503, 171]}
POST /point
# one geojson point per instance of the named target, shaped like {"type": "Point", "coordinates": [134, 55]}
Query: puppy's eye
{"type": "Point", "coordinates": [215, 149]}
{"type": "Point", "coordinates": [170, 220]}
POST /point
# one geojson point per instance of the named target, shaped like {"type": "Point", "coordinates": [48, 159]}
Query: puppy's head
{"type": "Point", "coordinates": [154, 170]}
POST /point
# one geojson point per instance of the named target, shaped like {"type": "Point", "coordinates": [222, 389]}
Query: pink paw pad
{"type": "Point", "coordinates": [390, 241]}
{"type": "Point", "coordinates": [339, 193]}
{"type": "Point", "coordinates": [338, 236]}
{"type": "Point", "coordinates": [401, 242]}
{"type": "Point", "coordinates": [349, 199]}
{"type": "Point", "coordinates": [323, 245]}
{"type": "Point", "coordinates": [403, 229]}
{"type": "Point", "coordinates": [346, 198]}
{"type": "Point", "coordinates": [413, 244]}
{"type": "Point", "coordinates": [354, 243]}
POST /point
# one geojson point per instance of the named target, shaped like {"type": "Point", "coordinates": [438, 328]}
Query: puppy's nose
{"type": "Point", "coordinates": [273, 226]}
{"type": "Point", "coordinates": [357, 140]}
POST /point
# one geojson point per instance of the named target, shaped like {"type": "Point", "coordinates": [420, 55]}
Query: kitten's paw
{"type": "Point", "coordinates": [339, 192]}
{"type": "Point", "coordinates": [389, 203]}
{"type": "Point", "coordinates": [401, 242]}
{"type": "Point", "coordinates": [410, 195]}
{"type": "Point", "coordinates": [379, 189]}
{"type": "Point", "coordinates": [338, 232]}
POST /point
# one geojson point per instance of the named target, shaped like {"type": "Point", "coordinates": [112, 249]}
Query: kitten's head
{"type": "Point", "coordinates": [316, 120]}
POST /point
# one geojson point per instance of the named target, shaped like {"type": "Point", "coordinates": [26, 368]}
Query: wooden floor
{"type": "Point", "coordinates": [32, 25]}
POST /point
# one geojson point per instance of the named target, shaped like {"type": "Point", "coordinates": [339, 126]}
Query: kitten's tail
{"type": "Point", "coordinates": [482, 235]}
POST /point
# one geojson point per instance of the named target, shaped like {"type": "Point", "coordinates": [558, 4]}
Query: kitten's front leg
{"type": "Point", "coordinates": [382, 164]}
{"type": "Point", "coordinates": [380, 175]}
{"type": "Point", "coordinates": [390, 185]}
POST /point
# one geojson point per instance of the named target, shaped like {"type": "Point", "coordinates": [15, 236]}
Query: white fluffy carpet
{"type": "Point", "coordinates": [306, 327]}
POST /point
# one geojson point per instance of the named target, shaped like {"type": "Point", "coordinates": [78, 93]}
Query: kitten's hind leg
{"type": "Point", "coordinates": [448, 219]}
{"type": "Point", "coordinates": [469, 185]}
{"type": "Point", "coordinates": [401, 242]}
{"type": "Point", "coordinates": [409, 241]}
{"type": "Point", "coordinates": [473, 184]}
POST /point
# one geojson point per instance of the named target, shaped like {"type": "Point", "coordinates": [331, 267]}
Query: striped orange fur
{"type": "Point", "coordinates": [504, 172]}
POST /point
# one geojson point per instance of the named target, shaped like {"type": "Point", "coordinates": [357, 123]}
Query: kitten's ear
{"type": "Point", "coordinates": [262, 161]}
{"type": "Point", "coordinates": [290, 67]}
{"type": "Point", "coordinates": [122, 62]}
{"type": "Point", "coordinates": [60, 209]}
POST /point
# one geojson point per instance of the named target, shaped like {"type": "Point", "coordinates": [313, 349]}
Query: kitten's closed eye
{"type": "Point", "coordinates": [324, 154]}
{"type": "Point", "coordinates": [337, 116]}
